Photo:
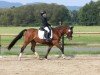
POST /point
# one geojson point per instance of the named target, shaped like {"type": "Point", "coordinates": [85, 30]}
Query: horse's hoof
{"type": "Point", "coordinates": [45, 59]}
{"type": "Point", "coordinates": [1, 56]}
{"type": "Point", "coordinates": [19, 59]}
{"type": "Point", "coordinates": [63, 56]}
{"type": "Point", "coordinates": [58, 56]}
{"type": "Point", "coordinates": [69, 58]}
{"type": "Point", "coordinates": [40, 58]}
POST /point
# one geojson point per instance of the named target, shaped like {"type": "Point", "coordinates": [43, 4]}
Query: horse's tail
{"type": "Point", "coordinates": [19, 36]}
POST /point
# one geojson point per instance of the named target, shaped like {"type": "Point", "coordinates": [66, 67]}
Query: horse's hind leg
{"type": "Point", "coordinates": [33, 44]}
{"type": "Point", "coordinates": [22, 49]}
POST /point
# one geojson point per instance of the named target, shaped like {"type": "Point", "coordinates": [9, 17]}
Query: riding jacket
{"type": "Point", "coordinates": [44, 22]}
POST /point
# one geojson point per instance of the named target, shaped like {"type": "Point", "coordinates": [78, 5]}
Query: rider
{"type": "Point", "coordinates": [45, 25]}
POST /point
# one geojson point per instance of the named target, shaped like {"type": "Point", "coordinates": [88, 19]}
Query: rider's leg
{"type": "Point", "coordinates": [47, 36]}
{"type": "Point", "coordinates": [47, 33]}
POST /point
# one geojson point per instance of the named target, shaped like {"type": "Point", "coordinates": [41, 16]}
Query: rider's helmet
{"type": "Point", "coordinates": [42, 12]}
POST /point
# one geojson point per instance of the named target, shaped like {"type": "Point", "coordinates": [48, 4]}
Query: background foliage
{"type": "Point", "coordinates": [29, 15]}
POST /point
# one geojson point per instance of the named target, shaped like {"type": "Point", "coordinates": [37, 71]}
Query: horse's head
{"type": "Point", "coordinates": [69, 32]}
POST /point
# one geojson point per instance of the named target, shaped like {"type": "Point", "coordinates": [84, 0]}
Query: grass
{"type": "Point", "coordinates": [80, 39]}
{"type": "Point", "coordinates": [54, 51]}
{"type": "Point", "coordinates": [87, 28]}
{"type": "Point", "coordinates": [16, 30]}
{"type": "Point", "coordinates": [77, 38]}
{"type": "Point", "coordinates": [87, 39]}
{"type": "Point", "coordinates": [12, 30]}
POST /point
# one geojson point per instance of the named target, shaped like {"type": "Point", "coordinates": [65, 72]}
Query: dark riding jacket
{"type": "Point", "coordinates": [44, 22]}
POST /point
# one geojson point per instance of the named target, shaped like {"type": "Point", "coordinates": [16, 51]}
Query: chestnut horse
{"type": "Point", "coordinates": [31, 36]}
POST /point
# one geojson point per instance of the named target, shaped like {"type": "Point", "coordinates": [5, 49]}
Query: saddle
{"type": "Point", "coordinates": [41, 33]}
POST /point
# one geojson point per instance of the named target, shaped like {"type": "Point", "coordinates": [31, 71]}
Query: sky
{"type": "Point", "coordinates": [61, 2]}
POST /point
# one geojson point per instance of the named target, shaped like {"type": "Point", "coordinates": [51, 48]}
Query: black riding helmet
{"type": "Point", "coordinates": [42, 12]}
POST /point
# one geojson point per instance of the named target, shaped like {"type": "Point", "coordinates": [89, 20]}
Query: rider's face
{"type": "Point", "coordinates": [45, 15]}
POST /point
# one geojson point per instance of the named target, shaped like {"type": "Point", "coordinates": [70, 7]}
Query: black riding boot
{"type": "Point", "coordinates": [47, 36]}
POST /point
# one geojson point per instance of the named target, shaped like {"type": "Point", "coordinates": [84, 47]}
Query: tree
{"type": "Point", "coordinates": [74, 17]}
{"type": "Point", "coordinates": [30, 14]}
{"type": "Point", "coordinates": [88, 15]}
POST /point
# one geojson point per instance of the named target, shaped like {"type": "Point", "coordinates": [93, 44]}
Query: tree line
{"type": "Point", "coordinates": [29, 15]}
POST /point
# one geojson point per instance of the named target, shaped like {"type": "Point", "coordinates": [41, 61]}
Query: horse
{"type": "Point", "coordinates": [31, 36]}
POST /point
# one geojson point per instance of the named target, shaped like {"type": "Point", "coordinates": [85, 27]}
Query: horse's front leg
{"type": "Point", "coordinates": [36, 54]}
{"type": "Point", "coordinates": [62, 50]}
{"type": "Point", "coordinates": [49, 48]}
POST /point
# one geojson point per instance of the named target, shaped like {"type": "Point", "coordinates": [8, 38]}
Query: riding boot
{"type": "Point", "coordinates": [47, 37]}
{"type": "Point", "coordinates": [46, 34]}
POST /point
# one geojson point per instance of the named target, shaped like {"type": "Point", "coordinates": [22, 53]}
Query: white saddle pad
{"type": "Point", "coordinates": [41, 34]}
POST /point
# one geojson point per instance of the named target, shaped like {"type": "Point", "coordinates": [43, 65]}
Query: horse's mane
{"type": "Point", "coordinates": [62, 26]}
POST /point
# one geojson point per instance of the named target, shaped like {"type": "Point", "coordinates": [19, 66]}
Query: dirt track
{"type": "Point", "coordinates": [79, 65]}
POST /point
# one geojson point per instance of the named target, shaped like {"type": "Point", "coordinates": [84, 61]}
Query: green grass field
{"type": "Point", "coordinates": [83, 39]}
{"type": "Point", "coordinates": [77, 38]}
{"type": "Point", "coordinates": [42, 50]}
{"type": "Point", "coordinates": [16, 30]}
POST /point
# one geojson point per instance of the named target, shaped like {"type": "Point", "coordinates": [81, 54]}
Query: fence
{"type": "Point", "coordinates": [78, 33]}
{"type": "Point", "coordinates": [74, 33]}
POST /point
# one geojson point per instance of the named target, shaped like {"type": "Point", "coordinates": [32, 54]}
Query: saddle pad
{"type": "Point", "coordinates": [41, 34]}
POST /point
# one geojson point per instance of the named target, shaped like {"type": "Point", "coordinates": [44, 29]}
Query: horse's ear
{"type": "Point", "coordinates": [71, 27]}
